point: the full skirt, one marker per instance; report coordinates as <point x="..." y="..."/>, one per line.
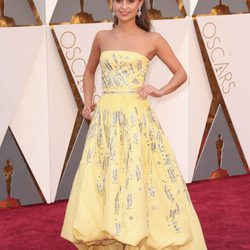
<point x="128" y="192"/>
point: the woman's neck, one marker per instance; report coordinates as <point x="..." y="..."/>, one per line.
<point x="127" y="27"/>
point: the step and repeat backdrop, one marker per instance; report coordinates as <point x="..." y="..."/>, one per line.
<point x="44" y="48"/>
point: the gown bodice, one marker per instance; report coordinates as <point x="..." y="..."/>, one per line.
<point x="123" y="70"/>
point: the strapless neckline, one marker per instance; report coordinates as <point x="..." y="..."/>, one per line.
<point x="126" y="51"/>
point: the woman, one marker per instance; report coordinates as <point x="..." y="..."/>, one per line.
<point x="128" y="192"/>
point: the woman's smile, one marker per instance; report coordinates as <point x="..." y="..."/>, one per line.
<point x="124" y="13"/>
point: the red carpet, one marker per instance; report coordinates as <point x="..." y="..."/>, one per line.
<point x="223" y="207"/>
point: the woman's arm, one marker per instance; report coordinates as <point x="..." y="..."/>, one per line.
<point x="89" y="73"/>
<point x="165" y="53"/>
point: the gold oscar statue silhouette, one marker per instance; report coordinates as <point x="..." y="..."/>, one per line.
<point x="220" y="9"/>
<point x="220" y="172"/>
<point x="4" y="20"/>
<point x="110" y="4"/>
<point x="248" y="4"/>
<point x="82" y="17"/>
<point x="153" y="13"/>
<point x="9" y="201"/>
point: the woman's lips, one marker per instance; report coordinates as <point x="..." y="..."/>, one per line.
<point x="124" y="13"/>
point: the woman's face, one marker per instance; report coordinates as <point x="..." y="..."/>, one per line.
<point x="126" y="9"/>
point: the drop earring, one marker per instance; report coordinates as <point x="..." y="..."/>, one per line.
<point x="113" y="13"/>
<point x="139" y="13"/>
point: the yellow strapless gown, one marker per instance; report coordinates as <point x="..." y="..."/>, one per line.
<point x="128" y="192"/>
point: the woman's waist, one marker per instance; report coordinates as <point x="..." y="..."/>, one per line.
<point x="125" y="103"/>
<point x="121" y="89"/>
<point x="117" y="97"/>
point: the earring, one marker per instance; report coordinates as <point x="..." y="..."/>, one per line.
<point x="139" y="13"/>
<point x="113" y="13"/>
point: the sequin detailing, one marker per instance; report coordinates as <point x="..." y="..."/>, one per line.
<point x="128" y="185"/>
<point x="118" y="91"/>
<point x="121" y="72"/>
<point x="132" y="121"/>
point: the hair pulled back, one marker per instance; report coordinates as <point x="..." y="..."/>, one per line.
<point x="142" y="22"/>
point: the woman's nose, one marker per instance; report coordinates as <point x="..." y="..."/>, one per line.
<point x="124" y="4"/>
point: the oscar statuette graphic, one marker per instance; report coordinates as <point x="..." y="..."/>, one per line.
<point x="8" y="171"/>
<point x="153" y="13"/>
<point x="110" y="4"/>
<point x="220" y="172"/>
<point x="220" y="9"/>
<point x="82" y="17"/>
<point x="248" y="4"/>
<point x="4" y="20"/>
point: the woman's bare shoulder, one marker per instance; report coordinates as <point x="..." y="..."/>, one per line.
<point x="155" y="36"/>
<point x="156" y="40"/>
<point x="100" y="37"/>
<point x="102" y="34"/>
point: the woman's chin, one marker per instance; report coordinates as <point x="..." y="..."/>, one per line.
<point x="125" y="18"/>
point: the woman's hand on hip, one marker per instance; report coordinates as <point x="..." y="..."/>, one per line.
<point x="148" y="90"/>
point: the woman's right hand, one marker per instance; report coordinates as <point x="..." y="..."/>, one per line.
<point x="87" y="111"/>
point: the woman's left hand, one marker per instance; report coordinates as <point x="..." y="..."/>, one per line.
<point x="146" y="89"/>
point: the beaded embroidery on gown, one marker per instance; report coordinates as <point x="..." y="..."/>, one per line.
<point x="128" y="192"/>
